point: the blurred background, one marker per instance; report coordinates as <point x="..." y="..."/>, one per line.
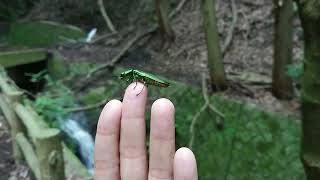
<point x="240" y="72"/>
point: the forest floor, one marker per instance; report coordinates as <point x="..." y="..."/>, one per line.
<point x="248" y="57"/>
<point x="8" y="168"/>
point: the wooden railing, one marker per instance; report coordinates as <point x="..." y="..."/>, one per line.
<point x="40" y="146"/>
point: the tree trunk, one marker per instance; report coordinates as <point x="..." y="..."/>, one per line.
<point x="283" y="39"/>
<point x="162" y="11"/>
<point x="310" y="152"/>
<point x="216" y="68"/>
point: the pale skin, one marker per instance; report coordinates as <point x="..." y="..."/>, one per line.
<point x="120" y="146"/>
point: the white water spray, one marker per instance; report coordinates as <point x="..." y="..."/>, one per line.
<point x="83" y="139"/>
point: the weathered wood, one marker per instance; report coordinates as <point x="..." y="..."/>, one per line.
<point x="29" y="154"/>
<point x="73" y="166"/>
<point x="8" y="87"/>
<point x="49" y="151"/>
<point x="15" y="125"/>
<point x="28" y="119"/>
<point x="14" y="58"/>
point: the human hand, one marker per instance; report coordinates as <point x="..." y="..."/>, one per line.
<point x="120" y="146"/>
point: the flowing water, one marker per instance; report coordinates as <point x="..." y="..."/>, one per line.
<point x="75" y="127"/>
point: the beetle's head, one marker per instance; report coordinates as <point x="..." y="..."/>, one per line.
<point x="122" y="75"/>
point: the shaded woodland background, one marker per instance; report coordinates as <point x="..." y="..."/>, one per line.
<point x="265" y="53"/>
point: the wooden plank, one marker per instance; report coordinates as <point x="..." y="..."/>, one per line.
<point x="8" y="87"/>
<point x="14" y="123"/>
<point x="28" y="119"/>
<point x="29" y="154"/>
<point x="15" y="58"/>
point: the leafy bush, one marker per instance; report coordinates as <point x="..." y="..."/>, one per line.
<point x="52" y="102"/>
<point x="295" y="71"/>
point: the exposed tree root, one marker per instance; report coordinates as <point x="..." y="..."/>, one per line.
<point x="204" y="107"/>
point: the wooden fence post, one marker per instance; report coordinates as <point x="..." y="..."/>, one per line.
<point x="49" y="151"/>
<point x="30" y="157"/>
<point x="10" y="95"/>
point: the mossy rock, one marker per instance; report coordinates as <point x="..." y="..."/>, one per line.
<point x="94" y="96"/>
<point x="42" y="33"/>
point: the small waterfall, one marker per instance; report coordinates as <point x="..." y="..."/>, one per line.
<point x="74" y="127"/>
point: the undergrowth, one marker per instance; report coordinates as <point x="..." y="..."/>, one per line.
<point x="252" y="145"/>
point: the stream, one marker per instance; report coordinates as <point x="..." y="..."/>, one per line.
<point x="76" y="128"/>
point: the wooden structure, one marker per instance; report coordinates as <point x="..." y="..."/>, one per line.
<point x="41" y="147"/>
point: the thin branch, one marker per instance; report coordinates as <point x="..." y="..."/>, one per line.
<point x="204" y="107"/>
<point x="117" y="57"/>
<point x="101" y="38"/>
<point x="86" y="108"/>
<point x="152" y="29"/>
<point x="177" y="9"/>
<point x="106" y="17"/>
<point x="229" y="37"/>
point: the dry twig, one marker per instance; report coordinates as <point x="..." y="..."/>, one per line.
<point x="86" y="108"/>
<point x="106" y="17"/>
<point x="229" y="37"/>
<point x="117" y="58"/>
<point x="205" y="106"/>
<point x="177" y="9"/>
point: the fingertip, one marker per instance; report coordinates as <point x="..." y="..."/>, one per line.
<point x="113" y="103"/>
<point x="110" y="116"/>
<point x="185" y="165"/>
<point x="136" y="89"/>
<point x="162" y="118"/>
<point x="112" y="106"/>
<point x="185" y="154"/>
<point x="163" y="104"/>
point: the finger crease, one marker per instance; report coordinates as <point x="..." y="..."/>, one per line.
<point x="160" y="173"/>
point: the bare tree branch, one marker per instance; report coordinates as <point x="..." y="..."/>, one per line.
<point x="117" y="58"/>
<point x="106" y="17"/>
<point x="229" y="37"/>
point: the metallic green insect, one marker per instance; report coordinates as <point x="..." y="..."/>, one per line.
<point x="146" y="78"/>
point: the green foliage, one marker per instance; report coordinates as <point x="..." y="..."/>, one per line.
<point x="35" y="78"/>
<point x="253" y="145"/>
<point x="52" y="102"/>
<point x="42" y="33"/>
<point x="295" y="71"/>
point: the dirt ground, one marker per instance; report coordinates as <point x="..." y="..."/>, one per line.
<point x="8" y="168"/>
<point x="248" y="58"/>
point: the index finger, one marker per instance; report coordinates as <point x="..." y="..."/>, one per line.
<point x="133" y="160"/>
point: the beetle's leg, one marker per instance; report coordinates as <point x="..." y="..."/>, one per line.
<point x="134" y="79"/>
<point x="136" y="84"/>
<point x="144" y="84"/>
